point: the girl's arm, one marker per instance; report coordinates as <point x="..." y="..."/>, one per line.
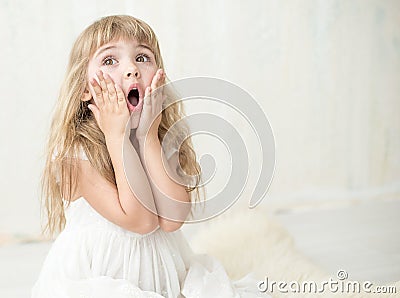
<point x="171" y="199"/>
<point x="119" y="203"/>
<point x="137" y="201"/>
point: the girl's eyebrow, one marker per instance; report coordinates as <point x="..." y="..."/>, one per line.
<point x="105" y="49"/>
<point x="114" y="47"/>
<point x="145" y="46"/>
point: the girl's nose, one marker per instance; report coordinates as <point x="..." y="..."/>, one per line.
<point x="130" y="74"/>
<point x="132" y="71"/>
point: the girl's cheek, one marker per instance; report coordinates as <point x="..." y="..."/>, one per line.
<point x="149" y="69"/>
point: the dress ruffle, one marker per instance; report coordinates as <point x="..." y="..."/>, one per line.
<point x="93" y="257"/>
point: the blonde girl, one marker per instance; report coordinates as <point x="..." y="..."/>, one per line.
<point x="105" y="185"/>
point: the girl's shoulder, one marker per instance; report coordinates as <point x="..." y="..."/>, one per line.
<point x="80" y="155"/>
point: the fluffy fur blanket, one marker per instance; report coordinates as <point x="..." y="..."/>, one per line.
<point x="247" y="240"/>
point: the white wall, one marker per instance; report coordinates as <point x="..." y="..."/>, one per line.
<point x="327" y="74"/>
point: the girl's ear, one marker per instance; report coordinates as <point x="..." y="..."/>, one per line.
<point x="86" y="96"/>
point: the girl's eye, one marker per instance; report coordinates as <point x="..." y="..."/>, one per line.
<point x="143" y="58"/>
<point x="109" y="61"/>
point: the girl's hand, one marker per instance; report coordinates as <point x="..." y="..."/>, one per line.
<point x="150" y="117"/>
<point x="110" y="111"/>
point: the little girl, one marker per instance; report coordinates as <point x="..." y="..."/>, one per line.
<point x="105" y="195"/>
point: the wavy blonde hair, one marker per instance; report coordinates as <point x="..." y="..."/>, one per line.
<point x="73" y="126"/>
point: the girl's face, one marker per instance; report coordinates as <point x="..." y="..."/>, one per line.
<point x="131" y="65"/>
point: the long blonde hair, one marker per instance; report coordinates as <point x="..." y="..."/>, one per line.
<point x="73" y="126"/>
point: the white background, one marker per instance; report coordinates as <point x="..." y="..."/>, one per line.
<point x="326" y="73"/>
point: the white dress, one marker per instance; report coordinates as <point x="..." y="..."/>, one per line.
<point x="94" y="258"/>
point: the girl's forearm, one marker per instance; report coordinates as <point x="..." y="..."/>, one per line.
<point x="132" y="200"/>
<point x="171" y="199"/>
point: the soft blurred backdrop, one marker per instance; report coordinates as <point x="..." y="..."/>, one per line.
<point x="326" y="73"/>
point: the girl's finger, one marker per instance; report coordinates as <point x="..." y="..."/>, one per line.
<point x="98" y="94"/>
<point x="147" y="96"/>
<point x="157" y="87"/>
<point x="157" y="77"/>
<point x="161" y="81"/>
<point x="164" y="98"/>
<point x="112" y="94"/>
<point x="154" y="80"/>
<point x="103" y="86"/>
<point x="120" y="95"/>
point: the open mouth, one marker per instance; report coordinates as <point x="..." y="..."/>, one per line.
<point x="133" y="97"/>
